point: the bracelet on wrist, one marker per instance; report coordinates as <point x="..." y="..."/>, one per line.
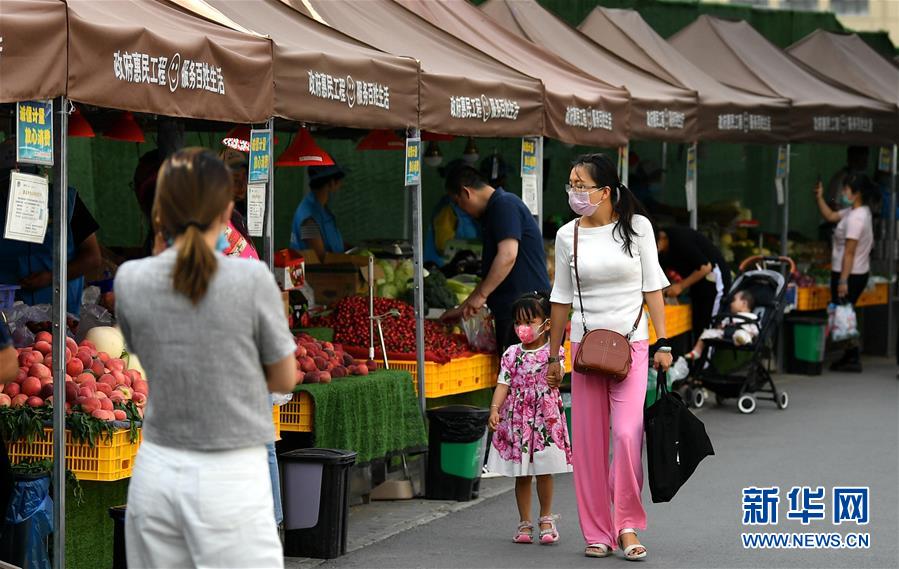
<point x="662" y="343"/>
<point x="664" y="350"/>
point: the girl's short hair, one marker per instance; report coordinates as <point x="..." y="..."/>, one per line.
<point x="532" y="305"/>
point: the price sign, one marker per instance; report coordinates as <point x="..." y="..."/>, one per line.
<point x="413" y="161"/>
<point x="529" y="156"/>
<point x="260" y="156"/>
<point x="34" y="128"/>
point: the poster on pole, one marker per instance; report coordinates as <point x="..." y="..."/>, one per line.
<point x="34" y="131"/>
<point x="529" y="156"/>
<point x="780" y="174"/>
<point x="529" y="193"/>
<point x="255" y="209"/>
<point x="690" y="185"/>
<point x="27" y="208"/>
<point x="885" y="159"/>
<point x="260" y="161"/>
<point x="413" y="161"/>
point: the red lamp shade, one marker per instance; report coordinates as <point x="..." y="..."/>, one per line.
<point x="78" y="125"/>
<point x="303" y="151"/>
<point x="238" y="138"/>
<point x="125" y="129"/>
<point x="381" y="140"/>
<point x="435" y="137"/>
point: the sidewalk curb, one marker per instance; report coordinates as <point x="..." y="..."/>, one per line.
<point x="443" y="510"/>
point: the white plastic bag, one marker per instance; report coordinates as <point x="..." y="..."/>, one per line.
<point x="680" y="370"/>
<point x="480" y="331"/>
<point x="842" y="323"/>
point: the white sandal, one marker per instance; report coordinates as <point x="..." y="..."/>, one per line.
<point x="630" y="548"/>
<point x="604" y="550"/>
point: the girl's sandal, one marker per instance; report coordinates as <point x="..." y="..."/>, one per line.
<point x="597" y="550"/>
<point x="550" y="535"/>
<point x="629" y="550"/>
<point x="525" y="533"/>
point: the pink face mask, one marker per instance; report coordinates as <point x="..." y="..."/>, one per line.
<point x="528" y="333"/>
<point x="580" y="203"/>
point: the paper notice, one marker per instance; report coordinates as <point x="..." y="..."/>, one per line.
<point x="255" y="209"/>
<point x="529" y="193"/>
<point x="779" y="184"/>
<point x="27" y="211"/>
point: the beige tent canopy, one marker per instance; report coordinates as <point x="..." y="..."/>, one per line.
<point x="659" y="110"/>
<point x="463" y="91"/>
<point x="578" y="108"/>
<point x="736" y="54"/>
<point x="725" y="114"/>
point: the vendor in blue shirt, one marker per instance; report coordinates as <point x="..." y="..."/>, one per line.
<point x="314" y="225"/>
<point x="30" y="265"/>
<point x="514" y="260"/>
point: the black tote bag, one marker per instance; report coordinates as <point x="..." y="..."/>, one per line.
<point x="676" y="442"/>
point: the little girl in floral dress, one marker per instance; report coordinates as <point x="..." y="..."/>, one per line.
<point x="530" y="432"/>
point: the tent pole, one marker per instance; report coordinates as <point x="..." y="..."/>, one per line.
<point x="785" y="225"/>
<point x="418" y="281"/>
<point x="59" y="206"/>
<point x="268" y="238"/>
<point x="624" y="153"/>
<point x="540" y="184"/>
<point x="891" y="251"/>
<point x="694" y="214"/>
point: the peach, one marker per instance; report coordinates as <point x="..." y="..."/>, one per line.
<point x="74" y="367"/>
<point x="89" y="405"/>
<point x="126" y="391"/>
<point x="104" y="388"/>
<point x="86" y="393"/>
<point x="43" y="347"/>
<point x="97" y="368"/>
<point x="71" y="345"/>
<point x="31" y="386"/>
<point x="116" y="364"/>
<point x="39" y="371"/>
<point x="117" y="397"/>
<point x="71" y="391"/>
<point x="5" y="400"/>
<point x="12" y="389"/>
<point x="120" y="415"/>
<point x="308" y="365"/>
<point x="103" y="415"/>
<point x="100" y="395"/>
<point x="141" y="386"/>
<point x="35" y="402"/>
<point x="106" y="404"/>
<point x="104" y="357"/>
<point x="19" y="400"/>
<point x="139" y="399"/>
<point x="44" y="337"/>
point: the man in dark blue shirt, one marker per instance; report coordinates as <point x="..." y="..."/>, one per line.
<point x="514" y="261"/>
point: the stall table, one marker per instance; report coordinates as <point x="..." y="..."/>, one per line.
<point x="815" y="298"/>
<point x="373" y="415"/>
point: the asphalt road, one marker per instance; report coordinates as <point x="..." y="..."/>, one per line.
<point x="838" y="430"/>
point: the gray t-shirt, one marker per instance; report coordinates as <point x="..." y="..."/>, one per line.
<point x="204" y="363"/>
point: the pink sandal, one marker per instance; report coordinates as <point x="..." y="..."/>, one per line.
<point x="551" y="535"/>
<point x="525" y="533"/>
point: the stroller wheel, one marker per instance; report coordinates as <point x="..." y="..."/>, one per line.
<point x="783" y="400"/>
<point x="746" y="404"/>
<point x="697" y="398"/>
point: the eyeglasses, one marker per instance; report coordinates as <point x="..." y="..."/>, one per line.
<point x="581" y="189"/>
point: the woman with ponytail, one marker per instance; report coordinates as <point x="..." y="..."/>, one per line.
<point x="853" y="240"/>
<point x="211" y="333"/>
<point x="617" y="272"/>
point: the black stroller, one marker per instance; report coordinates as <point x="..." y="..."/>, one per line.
<point x="731" y="371"/>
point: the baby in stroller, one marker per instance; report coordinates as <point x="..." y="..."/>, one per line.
<point x="741" y="327"/>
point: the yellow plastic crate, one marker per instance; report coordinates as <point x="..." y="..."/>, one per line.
<point x="298" y="415"/>
<point x="810" y="298"/>
<point x="110" y="460"/>
<point x="876" y="296"/>
<point x="460" y="375"/>
<point x="276" y="419"/>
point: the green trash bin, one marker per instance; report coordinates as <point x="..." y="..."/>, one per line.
<point x="805" y="350"/>
<point x="457" y="440"/>
<point x="651" y="387"/>
<point x="566" y="404"/>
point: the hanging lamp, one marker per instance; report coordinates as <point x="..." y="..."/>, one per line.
<point x="78" y="125"/>
<point x="125" y="129"/>
<point x="381" y="139"/>
<point x="303" y="151"/>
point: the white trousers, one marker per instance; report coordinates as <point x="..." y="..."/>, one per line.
<point x="201" y="509"/>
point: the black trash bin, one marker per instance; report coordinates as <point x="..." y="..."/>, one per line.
<point x="28" y="522"/>
<point x="314" y="492"/>
<point x="119" y="560"/>
<point x="457" y="436"/>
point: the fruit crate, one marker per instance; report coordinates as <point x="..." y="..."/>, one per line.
<point x="108" y="461"/>
<point x="276" y="419"/>
<point x="297" y="415"/>
<point x="876" y="296"/>
<point x="460" y="375"/>
<point x="811" y="298"/>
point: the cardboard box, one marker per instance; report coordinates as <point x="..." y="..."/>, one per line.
<point x="289" y="269"/>
<point x="337" y="276"/>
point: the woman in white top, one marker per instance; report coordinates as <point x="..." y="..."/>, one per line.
<point x="853" y="239"/>
<point x="619" y="271"/>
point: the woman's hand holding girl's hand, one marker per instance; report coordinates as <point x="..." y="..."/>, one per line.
<point x="493" y="421"/>
<point x="554" y="375"/>
<point x="662" y="360"/>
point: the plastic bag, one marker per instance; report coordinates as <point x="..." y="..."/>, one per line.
<point x="30" y="502"/>
<point x="280" y="399"/>
<point x="480" y="331"/>
<point x="680" y="370"/>
<point x="842" y="323"/>
<point x="92" y="316"/>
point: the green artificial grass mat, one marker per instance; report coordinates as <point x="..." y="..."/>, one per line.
<point x="88" y="525"/>
<point x="373" y="415"/>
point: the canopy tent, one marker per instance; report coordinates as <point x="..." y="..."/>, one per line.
<point x="579" y="109"/>
<point x="321" y="75"/>
<point x="462" y="91"/>
<point x="725" y="114"/>
<point x="148" y="56"/>
<point x="846" y="59"/>
<point x="736" y="54"/>
<point x="32" y="69"/>
<point x="659" y="110"/>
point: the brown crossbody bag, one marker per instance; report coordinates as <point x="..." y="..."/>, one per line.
<point x="602" y="351"/>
